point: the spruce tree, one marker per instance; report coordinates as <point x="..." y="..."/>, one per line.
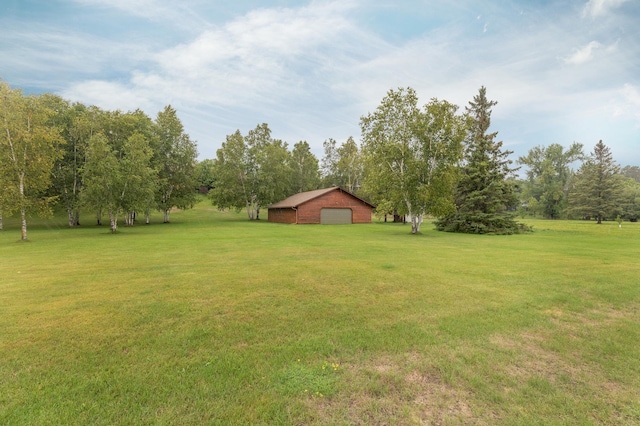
<point x="597" y="191"/>
<point x="484" y="192"/>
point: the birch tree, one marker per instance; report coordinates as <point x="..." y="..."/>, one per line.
<point x="304" y="168"/>
<point x="232" y="188"/>
<point x="174" y="158"/>
<point x="118" y="182"/>
<point x="342" y="165"/>
<point x="29" y="147"/>
<point x="411" y="154"/>
<point x="80" y="124"/>
<point x="251" y="171"/>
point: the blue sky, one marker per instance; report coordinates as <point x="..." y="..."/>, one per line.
<point x="561" y="71"/>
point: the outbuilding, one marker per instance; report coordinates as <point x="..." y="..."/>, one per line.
<point x="329" y="206"/>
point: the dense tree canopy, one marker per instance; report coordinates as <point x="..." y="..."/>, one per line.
<point x="548" y="177"/>
<point x="79" y="156"/>
<point x="29" y="146"/>
<point x="252" y="171"/>
<point x="174" y="158"/>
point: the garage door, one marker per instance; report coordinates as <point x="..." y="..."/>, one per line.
<point x="335" y="216"/>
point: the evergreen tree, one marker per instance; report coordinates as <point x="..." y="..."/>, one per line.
<point x="597" y="191"/>
<point x="484" y="193"/>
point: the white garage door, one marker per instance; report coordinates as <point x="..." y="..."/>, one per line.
<point x="335" y="216"/>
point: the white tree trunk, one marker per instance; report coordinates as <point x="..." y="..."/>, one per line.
<point x="416" y="218"/>
<point x="113" y="220"/>
<point x="416" y="222"/>
<point x="23" y="213"/>
<point x="23" y="224"/>
<point x="148" y="216"/>
<point x="166" y="216"/>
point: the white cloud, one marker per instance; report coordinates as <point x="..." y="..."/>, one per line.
<point x="265" y="55"/>
<point x="108" y="95"/>
<point x="584" y="54"/>
<point x="176" y="13"/>
<point x="311" y="71"/>
<point x="598" y="8"/>
<point x="630" y="105"/>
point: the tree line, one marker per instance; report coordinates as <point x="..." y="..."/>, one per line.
<point x="432" y="160"/>
<point x="54" y="152"/>
<point x="413" y="161"/>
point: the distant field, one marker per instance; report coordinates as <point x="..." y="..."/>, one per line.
<point x="215" y="320"/>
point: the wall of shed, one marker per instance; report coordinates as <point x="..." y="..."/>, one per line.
<point x="282" y="215"/>
<point x="309" y="212"/>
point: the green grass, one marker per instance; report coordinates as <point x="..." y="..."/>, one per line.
<point x="215" y="320"/>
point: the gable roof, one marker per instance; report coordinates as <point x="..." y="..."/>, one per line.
<point x="303" y="197"/>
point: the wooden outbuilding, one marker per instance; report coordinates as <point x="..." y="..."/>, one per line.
<point x="329" y="206"/>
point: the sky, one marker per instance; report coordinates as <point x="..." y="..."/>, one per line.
<point x="561" y="71"/>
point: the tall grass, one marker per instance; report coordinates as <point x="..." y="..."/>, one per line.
<point x="216" y="320"/>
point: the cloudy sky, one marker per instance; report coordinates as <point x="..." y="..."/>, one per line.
<point x="560" y="70"/>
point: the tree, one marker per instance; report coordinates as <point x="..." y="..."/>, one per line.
<point x="598" y="186"/>
<point x="548" y="177"/>
<point x="174" y="157"/>
<point x="484" y="193"/>
<point x="118" y="181"/>
<point x="232" y="187"/>
<point x="274" y="173"/>
<point x="304" y="168"/>
<point x="411" y="155"/>
<point x="630" y="199"/>
<point x="342" y="165"/>
<point x="251" y="171"/>
<point x="632" y="172"/>
<point x="80" y="123"/>
<point x="118" y="128"/>
<point x="29" y="147"/>
<point x="204" y="174"/>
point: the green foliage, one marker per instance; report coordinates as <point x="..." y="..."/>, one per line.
<point x="78" y="124"/>
<point x="342" y="165"/>
<point x="632" y="172"/>
<point x="412" y="154"/>
<point x="548" y="178"/>
<point x="204" y="174"/>
<point x="252" y="171"/>
<point x="29" y="148"/>
<point x="598" y="186"/>
<point x="118" y="182"/>
<point x="174" y="158"/>
<point x="484" y="193"/>
<point x="630" y="201"/>
<point x="304" y="168"/>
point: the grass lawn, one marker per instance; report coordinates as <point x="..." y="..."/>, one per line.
<point x="215" y="320"/>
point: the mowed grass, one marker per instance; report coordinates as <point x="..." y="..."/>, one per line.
<point x="216" y="320"/>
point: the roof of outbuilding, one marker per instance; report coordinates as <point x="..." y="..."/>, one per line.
<point x="303" y="197"/>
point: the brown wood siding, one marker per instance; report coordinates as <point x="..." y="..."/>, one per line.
<point x="282" y="215"/>
<point x="309" y="212"/>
